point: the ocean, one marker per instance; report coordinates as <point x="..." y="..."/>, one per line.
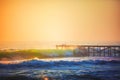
<point x="69" y="68"/>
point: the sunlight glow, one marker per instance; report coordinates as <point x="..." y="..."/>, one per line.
<point x="27" y="23"/>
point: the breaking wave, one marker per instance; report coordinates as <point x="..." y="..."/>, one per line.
<point x="36" y="63"/>
<point x="61" y="69"/>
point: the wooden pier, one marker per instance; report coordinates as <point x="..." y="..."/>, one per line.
<point x="93" y="50"/>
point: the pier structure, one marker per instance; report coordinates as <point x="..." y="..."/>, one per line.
<point x="94" y="50"/>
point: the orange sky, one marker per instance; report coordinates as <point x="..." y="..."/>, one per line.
<point x="34" y="23"/>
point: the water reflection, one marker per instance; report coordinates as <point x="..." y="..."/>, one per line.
<point x="47" y="78"/>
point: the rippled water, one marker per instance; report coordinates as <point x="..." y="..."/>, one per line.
<point x="74" y="68"/>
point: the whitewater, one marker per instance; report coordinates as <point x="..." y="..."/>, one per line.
<point x="71" y="68"/>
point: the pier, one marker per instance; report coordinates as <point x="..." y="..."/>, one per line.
<point x="93" y="50"/>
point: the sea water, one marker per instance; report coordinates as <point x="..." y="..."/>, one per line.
<point x="71" y="68"/>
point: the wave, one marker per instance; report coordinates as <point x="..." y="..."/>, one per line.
<point x="48" y="64"/>
<point x="61" y="69"/>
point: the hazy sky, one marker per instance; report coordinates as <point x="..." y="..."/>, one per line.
<point x="28" y="23"/>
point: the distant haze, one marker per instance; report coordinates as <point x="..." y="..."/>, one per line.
<point x="45" y="23"/>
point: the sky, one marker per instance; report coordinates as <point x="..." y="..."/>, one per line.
<point x="45" y="23"/>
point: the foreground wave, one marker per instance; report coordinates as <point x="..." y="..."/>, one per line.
<point x="48" y="64"/>
<point x="62" y="69"/>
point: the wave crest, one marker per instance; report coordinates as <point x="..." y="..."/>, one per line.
<point x="48" y="64"/>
